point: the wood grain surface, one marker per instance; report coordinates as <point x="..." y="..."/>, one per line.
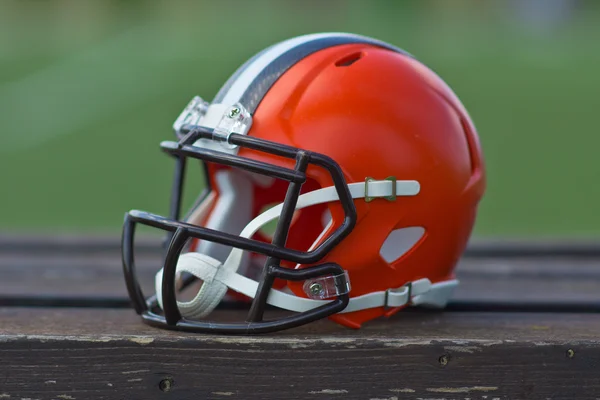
<point x="84" y="271"/>
<point x="108" y="354"/>
<point x="77" y="339"/>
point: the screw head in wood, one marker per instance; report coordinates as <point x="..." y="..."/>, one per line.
<point x="165" y="385"/>
<point x="443" y="360"/>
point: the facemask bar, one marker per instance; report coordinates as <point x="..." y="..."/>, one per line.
<point x="177" y="194"/>
<point x="181" y="232"/>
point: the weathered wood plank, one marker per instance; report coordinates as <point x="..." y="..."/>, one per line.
<point x="108" y="354"/>
<point x="555" y="280"/>
<point x="86" y="271"/>
<point x="423" y="324"/>
<point x="478" y="247"/>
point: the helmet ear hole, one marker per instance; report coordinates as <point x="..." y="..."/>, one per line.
<point x="326" y="218"/>
<point x="400" y="242"/>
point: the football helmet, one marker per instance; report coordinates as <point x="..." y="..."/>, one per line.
<point x="364" y="160"/>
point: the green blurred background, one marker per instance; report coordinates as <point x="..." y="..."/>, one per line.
<point x="89" y="88"/>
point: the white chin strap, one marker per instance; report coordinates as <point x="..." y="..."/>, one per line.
<point x="217" y="276"/>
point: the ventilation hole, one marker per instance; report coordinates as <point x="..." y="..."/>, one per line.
<point x="349" y="59"/>
<point x="472" y="146"/>
<point x="399" y="242"/>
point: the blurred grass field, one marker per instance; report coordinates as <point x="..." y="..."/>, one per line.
<point x="89" y="89"/>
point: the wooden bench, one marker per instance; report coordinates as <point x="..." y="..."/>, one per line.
<point x="523" y="325"/>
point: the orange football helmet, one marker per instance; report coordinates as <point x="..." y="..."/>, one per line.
<point x="365" y="157"/>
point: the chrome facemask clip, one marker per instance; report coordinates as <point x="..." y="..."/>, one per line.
<point x="235" y="119"/>
<point x="327" y="286"/>
<point x="191" y="114"/>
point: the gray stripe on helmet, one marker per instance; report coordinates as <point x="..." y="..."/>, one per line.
<point x="252" y="81"/>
